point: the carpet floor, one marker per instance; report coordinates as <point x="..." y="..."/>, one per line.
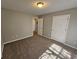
<point x="38" y="47"/>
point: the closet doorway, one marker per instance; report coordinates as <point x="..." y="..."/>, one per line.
<point x="59" y="27"/>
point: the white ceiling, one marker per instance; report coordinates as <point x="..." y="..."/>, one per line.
<point x="26" y="6"/>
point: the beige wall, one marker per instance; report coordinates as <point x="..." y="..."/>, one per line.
<point x="15" y="25"/>
<point x="71" y="38"/>
<point x="47" y="25"/>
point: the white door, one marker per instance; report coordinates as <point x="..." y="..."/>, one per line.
<point x="59" y="27"/>
<point x="33" y="29"/>
<point x="40" y="26"/>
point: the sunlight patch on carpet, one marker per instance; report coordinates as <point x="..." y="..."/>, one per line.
<point x="55" y="52"/>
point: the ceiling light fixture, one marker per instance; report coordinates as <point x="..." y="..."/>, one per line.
<point x="39" y="4"/>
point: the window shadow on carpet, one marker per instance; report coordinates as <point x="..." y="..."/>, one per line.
<point x="55" y="52"/>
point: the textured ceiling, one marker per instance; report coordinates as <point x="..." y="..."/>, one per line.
<point x="26" y="6"/>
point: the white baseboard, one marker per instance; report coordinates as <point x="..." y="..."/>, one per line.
<point x="18" y="39"/>
<point x="46" y="36"/>
<point x="66" y="44"/>
<point x="70" y="46"/>
<point x="60" y="42"/>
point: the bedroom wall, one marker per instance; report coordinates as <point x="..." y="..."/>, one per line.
<point x="71" y="38"/>
<point x="15" y="25"/>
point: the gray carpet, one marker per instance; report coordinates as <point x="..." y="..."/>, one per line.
<point x="34" y="47"/>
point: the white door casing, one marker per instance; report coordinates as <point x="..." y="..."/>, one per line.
<point x="33" y="29"/>
<point x="59" y="27"/>
<point x="40" y="26"/>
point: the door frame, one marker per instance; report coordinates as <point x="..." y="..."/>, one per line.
<point x="66" y="26"/>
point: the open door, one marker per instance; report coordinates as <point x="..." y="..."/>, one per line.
<point x="40" y="26"/>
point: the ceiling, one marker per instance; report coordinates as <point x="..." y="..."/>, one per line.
<point x="26" y="6"/>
